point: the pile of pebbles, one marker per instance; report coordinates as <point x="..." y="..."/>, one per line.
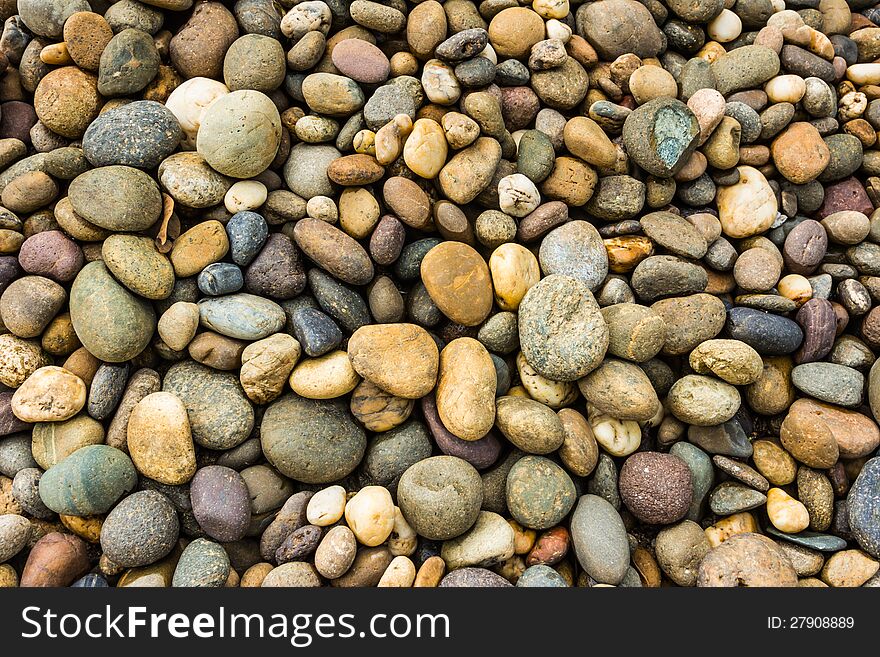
<point x="439" y="294"/>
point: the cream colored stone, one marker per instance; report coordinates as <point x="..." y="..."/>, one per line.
<point x="370" y="515"/>
<point x="786" y="513"/>
<point x="50" y="394"/>
<point x="439" y="83"/>
<point x="425" y="149"/>
<point x="725" y="27"/>
<point x="517" y="195"/>
<point x="785" y="89"/>
<point x="400" y="573"/>
<point x="749" y="207"/>
<point x="322" y="208"/>
<point x="245" y="195"/>
<point x="403" y="539"/>
<point x="555" y="394"/>
<point x="326" y="506"/>
<point x="188" y="103"/>
<point x="514" y="270"/>
<point x="617" y="437"/>
<point x="160" y="441"/>
<point x="326" y="377"/>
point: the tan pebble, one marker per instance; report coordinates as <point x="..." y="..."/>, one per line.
<point x="253" y="577"/>
<point x="159" y="439"/>
<point x="738" y="523"/>
<point x="401" y="573"/>
<point x="266" y="364"/>
<point x="786" y="513"/>
<point x="430" y="573"/>
<point x="326" y="377"/>
<point x="50" y="394"/>
<point x="370" y="515"/>
<point x="849" y="568"/>
<point x="336" y="552"/>
<point x="425" y="149"/>
<point x="178" y="325"/>
<point x="523" y="538"/>
<point x="617" y="437"/>
<point x="403" y="539"/>
<point x="466" y="389"/>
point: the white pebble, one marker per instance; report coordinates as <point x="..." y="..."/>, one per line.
<point x="188" y="103"/>
<point x="323" y="208"/>
<point x="245" y="195"/>
<point x="617" y="437"/>
<point x="517" y="195"/>
<point x="558" y="30"/>
<point x="326" y="506"/>
<point x="725" y="27"/>
<point x="786" y="89"/>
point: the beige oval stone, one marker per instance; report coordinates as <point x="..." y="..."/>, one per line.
<point x="585" y="139"/>
<point x="358" y="211"/>
<point x="849" y="568"/>
<point x="466" y="389"/>
<point x="786" y="513"/>
<point x="326" y="377"/>
<point x="326" y="506"/>
<point x="514" y="270"/>
<point x="402" y="359"/>
<point x="370" y="515"/>
<point x="620" y="389"/>
<point x="425" y="149"/>
<point x="159" y="439"/>
<point x="266" y="364"/>
<point x="50" y="394"/>
<point x="401" y="573"/>
<point x="178" y="325"/>
<point x="749" y="207"/>
<point x="730" y="360"/>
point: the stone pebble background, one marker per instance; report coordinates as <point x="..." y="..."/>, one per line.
<point x="459" y="294"/>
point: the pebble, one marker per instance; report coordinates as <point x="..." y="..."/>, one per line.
<point x="440" y="497"/>
<point x="313" y="441"/>
<point x="88" y="482"/>
<point x="203" y="564"/>
<point x="539" y="492"/>
<point x="599" y="539"/>
<point x="140" y="530"/>
<point x="49" y="394"/>
<point x="746" y="560"/>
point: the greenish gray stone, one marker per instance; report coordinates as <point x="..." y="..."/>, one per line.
<point x="116" y="198"/>
<point x="702" y="475"/>
<point x="731" y="497"/>
<point x="535" y="156"/>
<point x="88" y="482"/>
<point x="111" y="322"/>
<point x="440" y="497"/>
<point x="600" y="540"/>
<point x="242" y="316"/>
<point x="744" y="68"/>
<point x="390" y="453"/>
<point x="829" y="382"/>
<point x="541" y="576"/>
<point x="220" y="415"/>
<point x="140" y="530"/>
<point x="203" y="564"/>
<point x="128" y="63"/>
<point x="312" y="441"/>
<point x="661" y="135"/>
<point x="561" y="330"/>
<point x="539" y="492"/>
